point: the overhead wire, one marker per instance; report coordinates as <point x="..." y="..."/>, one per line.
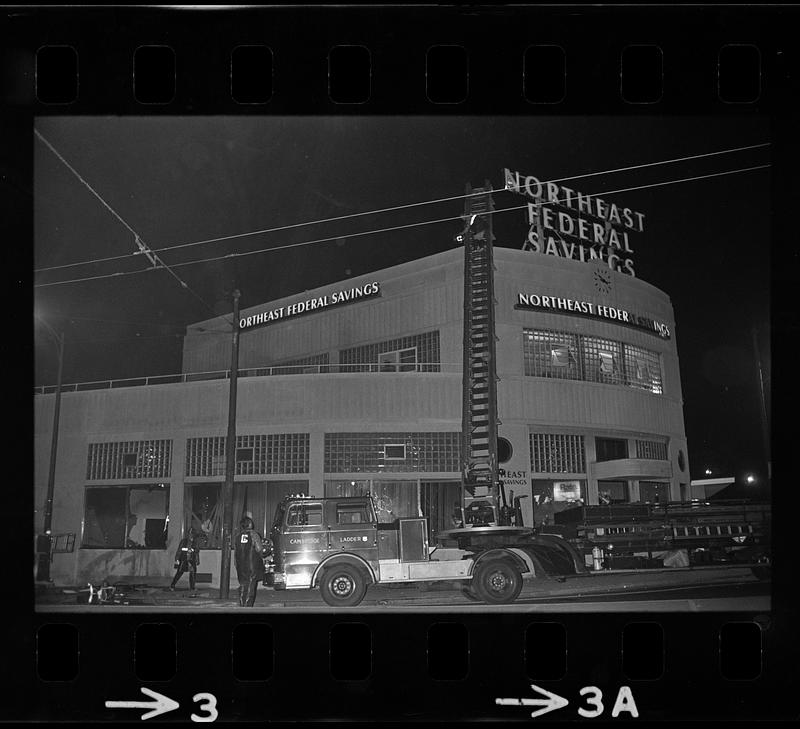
<point x="143" y="248"/>
<point x="399" y="227"/>
<point x="278" y="229"/>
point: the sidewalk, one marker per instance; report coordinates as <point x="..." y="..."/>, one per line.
<point x="594" y="583"/>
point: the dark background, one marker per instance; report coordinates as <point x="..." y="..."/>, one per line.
<point x="177" y="179"/>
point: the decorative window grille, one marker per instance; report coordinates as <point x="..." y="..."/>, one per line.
<point x="643" y="369"/>
<point x="557" y="453"/>
<point x="129" y="459"/>
<point x="379" y="452"/>
<point x="563" y="355"/>
<point x="418" y="352"/>
<point x="255" y="454"/>
<point x="550" y="354"/>
<point x="603" y="360"/>
<point x="653" y="450"/>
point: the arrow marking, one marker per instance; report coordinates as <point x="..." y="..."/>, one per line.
<point x="161" y="705"/>
<point x="550" y="703"/>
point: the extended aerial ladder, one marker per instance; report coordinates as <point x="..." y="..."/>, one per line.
<point x="481" y="492"/>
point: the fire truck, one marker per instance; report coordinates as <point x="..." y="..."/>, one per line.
<point x="339" y="546"/>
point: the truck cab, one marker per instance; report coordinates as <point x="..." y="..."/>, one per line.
<point x="306" y="532"/>
<point x="339" y="546"/>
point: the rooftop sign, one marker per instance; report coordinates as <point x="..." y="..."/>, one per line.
<point x="307" y="306"/>
<point x="573" y="225"/>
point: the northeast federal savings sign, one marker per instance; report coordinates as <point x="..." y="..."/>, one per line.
<point x="576" y="307"/>
<point x="566" y="223"/>
<point x="317" y="303"/>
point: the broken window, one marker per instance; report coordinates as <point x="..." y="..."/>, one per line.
<point x="126" y="517"/>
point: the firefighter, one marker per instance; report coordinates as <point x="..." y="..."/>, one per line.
<point x="186" y="560"/>
<point x="249" y="551"/>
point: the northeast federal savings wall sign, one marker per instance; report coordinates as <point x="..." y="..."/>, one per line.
<point x="576" y="307"/>
<point x="569" y="224"/>
<point x="306" y="306"/>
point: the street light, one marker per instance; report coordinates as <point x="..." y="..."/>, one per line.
<point x="750" y="478"/>
<point x="708" y="472"/>
<point x="43" y="567"/>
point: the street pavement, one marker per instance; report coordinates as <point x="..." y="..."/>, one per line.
<point x="682" y="589"/>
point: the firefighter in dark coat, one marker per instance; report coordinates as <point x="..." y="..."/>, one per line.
<point x="186" y="560"/>
<point x="249" y="551"/>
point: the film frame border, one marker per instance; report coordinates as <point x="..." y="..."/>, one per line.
<point x="592" y="77"/>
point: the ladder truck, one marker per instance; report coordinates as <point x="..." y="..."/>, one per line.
<point x="338" y="546"/>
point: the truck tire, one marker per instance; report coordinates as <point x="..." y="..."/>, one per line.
<point x="343" y="585"/>
<point x="497" y="582"/>
<point x="469" y="593"/>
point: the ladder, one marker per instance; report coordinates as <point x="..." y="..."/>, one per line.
<point x="480" y="488"/>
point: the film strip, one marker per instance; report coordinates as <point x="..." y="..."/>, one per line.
<point x="433" y="656"/>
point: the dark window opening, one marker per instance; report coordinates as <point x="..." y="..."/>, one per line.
<point x="610" y="449"/>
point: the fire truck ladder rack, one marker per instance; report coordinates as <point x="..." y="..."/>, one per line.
<point x="480" y="492"/>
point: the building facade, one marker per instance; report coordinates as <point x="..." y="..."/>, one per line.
<point x="356" y="387"/>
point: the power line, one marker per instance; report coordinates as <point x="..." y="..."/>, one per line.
<point x="143" y="248"/>
<point x="137" y="322"/>
<point x="401" y="207"/>
<point x="401" y="227"/>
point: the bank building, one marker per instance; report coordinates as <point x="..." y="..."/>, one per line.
<point x="356" y="387"/>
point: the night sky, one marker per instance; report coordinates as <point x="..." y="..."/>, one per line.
<point x="180" y="180"/>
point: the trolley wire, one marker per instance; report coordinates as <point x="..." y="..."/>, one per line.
<point x="143" y="248"/>
<point x="292" y="226"/>
<point x="230" y="256"/>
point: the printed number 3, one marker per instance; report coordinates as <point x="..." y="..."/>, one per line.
<point x="209" y="706"/>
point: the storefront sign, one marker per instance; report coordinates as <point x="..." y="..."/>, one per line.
<point x="515" y="478"/>
<point x="576" y="307"/>
<point x="337" y="298"/>
<point x="566" y="490"/>
<point x="573" y="225"/>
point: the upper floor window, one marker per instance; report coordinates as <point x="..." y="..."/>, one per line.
<point x="654" y="450"/>
<point x="414" y="353"/>
<point x="551" y="354"/>
<point x="557" y="453"/>
<point x="401" y="360"/>
<point x="255" y="454"/>
<point x="610" y="449"/>
<point x="568" y="356"/>
<point x="130" y="459"/>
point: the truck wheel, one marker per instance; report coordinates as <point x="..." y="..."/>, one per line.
<point x="343" y="585"/>
<point x="497" y="582"/>
<point x="468" y="592"/>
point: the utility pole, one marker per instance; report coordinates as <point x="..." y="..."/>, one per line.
<point x="43" y="567"/>
<point x="763" y="402"/>
<point x="230" y="459"/>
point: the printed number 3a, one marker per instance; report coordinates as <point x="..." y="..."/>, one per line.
<point x="209" y="706"/>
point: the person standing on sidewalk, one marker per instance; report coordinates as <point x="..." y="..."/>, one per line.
<point x="248" y="551"/>
<point x="186" y="560"/>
